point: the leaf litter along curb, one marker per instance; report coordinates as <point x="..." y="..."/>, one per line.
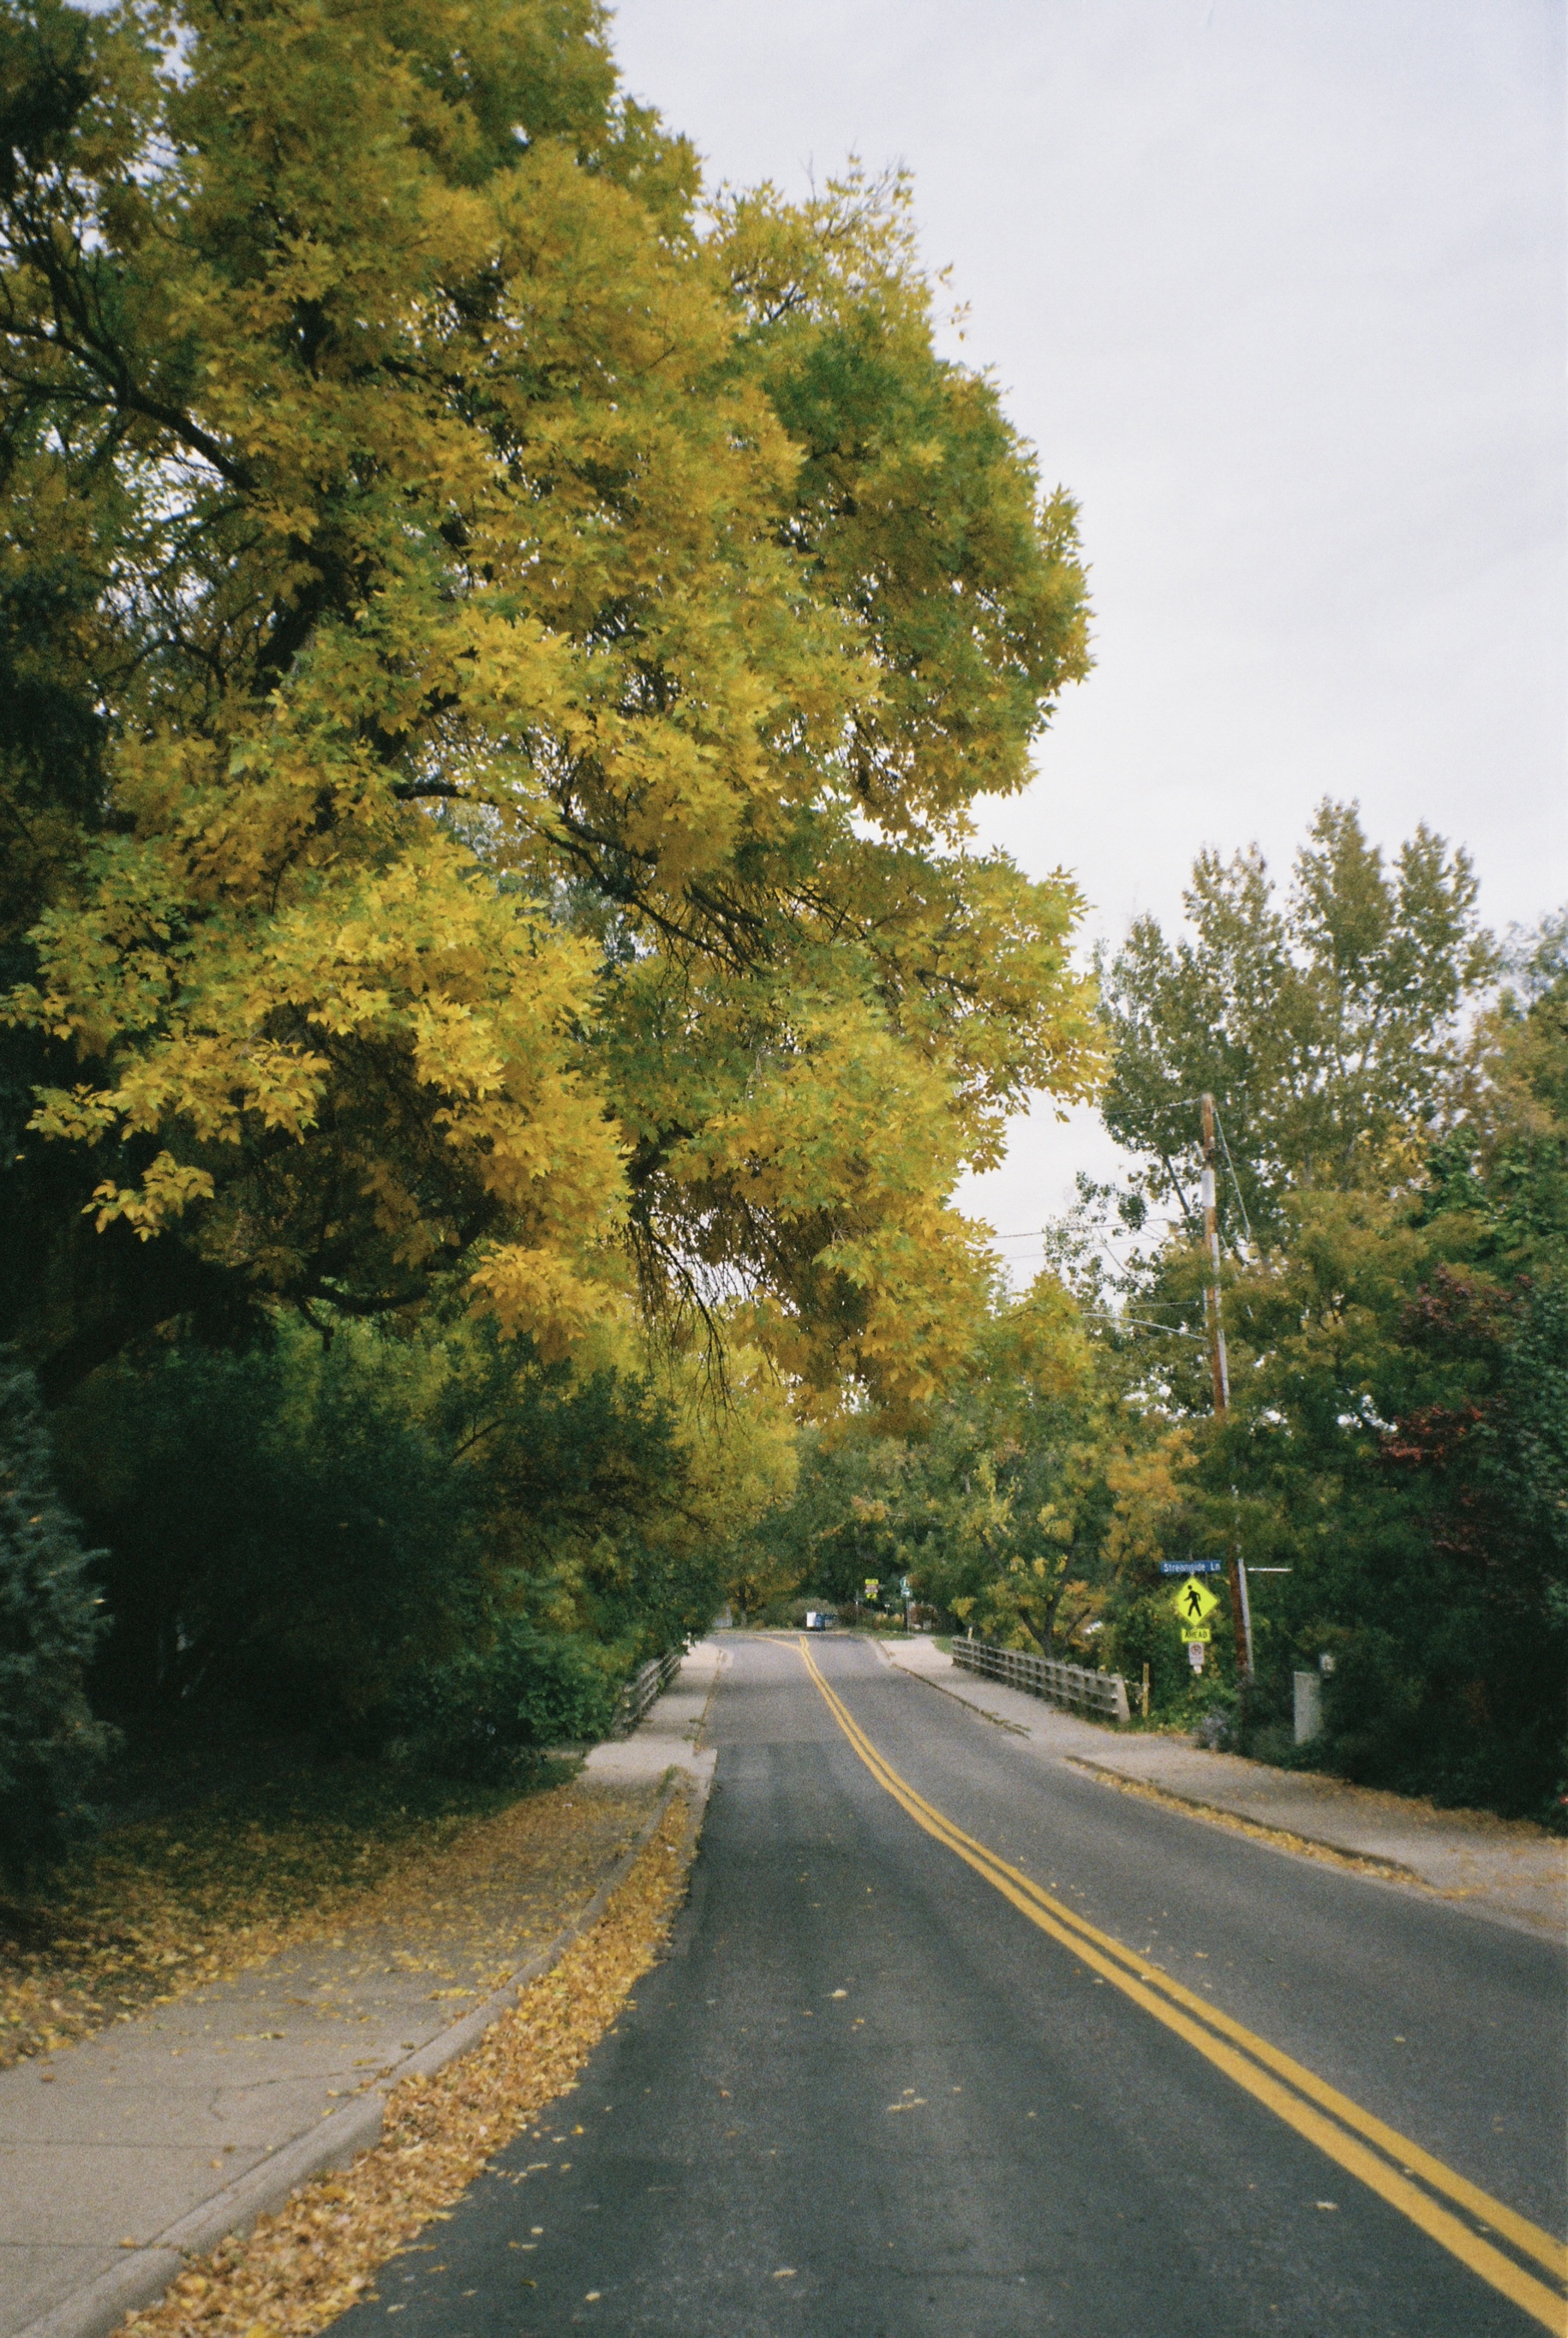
<point x="157" y="1907"/>
<point x="301" y="2268"/>
<point x="1392" y="1870"/>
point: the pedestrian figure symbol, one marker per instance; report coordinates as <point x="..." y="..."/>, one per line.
<point x="1193" y="1602"/>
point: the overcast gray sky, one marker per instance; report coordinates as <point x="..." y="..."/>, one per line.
<point x="1277" y="288"/>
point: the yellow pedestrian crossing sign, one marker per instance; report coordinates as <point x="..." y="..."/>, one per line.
<point x="1194" y="1603"/>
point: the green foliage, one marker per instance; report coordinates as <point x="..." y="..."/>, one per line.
<point x="987" y="1510"/>
<point x="1378" y="1415"/>
<point x="1327" y="1026"/>
<point x="1142" y="1629"/>
<point x="283" y="1533"/>
<point x="836" y="1531"/>
<point x="590" y="1500"/>
<point x="51" y="1747"/>
<point x="323" y="1537"/>
<point x="1396" y="1436"/>
<point x="483" y="1714"/>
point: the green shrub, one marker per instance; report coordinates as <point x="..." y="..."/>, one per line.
<point x="310" y="1536"/>
<point x="485" y="1714"/>
<point x="286" y="1535"/>
<point x="1143" y="1630"/>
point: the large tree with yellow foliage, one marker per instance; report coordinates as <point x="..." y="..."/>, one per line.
<point x="512" y="652"/>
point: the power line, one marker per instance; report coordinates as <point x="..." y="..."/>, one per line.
<point x="1038" y="1234"/>
<point x="1144" y="1324"/>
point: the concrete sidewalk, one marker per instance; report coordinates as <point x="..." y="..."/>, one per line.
<point x="1509" y="1871"/>
<point x="671" y="1735"/>
<point x="125" y="2153"/>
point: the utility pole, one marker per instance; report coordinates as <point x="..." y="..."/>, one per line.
<point x="1217" y="1356"/>
<point x="1240" y="1615"/>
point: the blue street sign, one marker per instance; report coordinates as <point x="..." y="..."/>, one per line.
<point x="1191" y="1567"/>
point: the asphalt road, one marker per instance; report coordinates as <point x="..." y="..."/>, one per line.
<point x="869" y="2096"/>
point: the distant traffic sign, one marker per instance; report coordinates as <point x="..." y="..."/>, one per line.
<point x="1196" y="1635"/>
<point x="1195" y="1601"/>
<point x="1191" y="1567"/>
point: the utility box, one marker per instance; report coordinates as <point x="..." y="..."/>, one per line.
<point x="1309" y="1706"/>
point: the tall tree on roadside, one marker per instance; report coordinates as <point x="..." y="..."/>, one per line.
<point x="535" y="651"/>
<point x="1396" y="1437"/>
<point x="1326" y="1025"/>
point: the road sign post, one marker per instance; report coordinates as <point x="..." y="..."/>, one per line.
<point x="1194" y="1603"/>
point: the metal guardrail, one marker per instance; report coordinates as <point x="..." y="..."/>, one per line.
<point x="1104" y="1694"/>
<point x="649" y="1681"/>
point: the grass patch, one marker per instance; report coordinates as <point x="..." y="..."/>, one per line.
<point x="194" y="1890"/>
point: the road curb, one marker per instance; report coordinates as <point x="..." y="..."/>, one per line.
<point x="1282" y="1838"/>
<point x="100" y="2306"/>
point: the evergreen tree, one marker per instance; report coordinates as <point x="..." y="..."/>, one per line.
<point x="49" y="1744"/>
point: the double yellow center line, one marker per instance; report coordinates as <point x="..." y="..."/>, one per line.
<point x="1387" y="2163"/>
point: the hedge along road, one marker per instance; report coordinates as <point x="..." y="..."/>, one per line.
<point x="951" y="2041"/>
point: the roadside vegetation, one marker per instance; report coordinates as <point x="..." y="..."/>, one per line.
<point x="497" y="645"/>
<point x="1393" y="1209"/>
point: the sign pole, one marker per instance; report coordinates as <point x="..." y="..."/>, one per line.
<point x="1220" y="1370"/>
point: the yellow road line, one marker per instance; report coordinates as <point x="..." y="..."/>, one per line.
<point x="1543" y="2247"/>
<point x="1239" y="2054"/>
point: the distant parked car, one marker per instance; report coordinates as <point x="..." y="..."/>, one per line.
<point x="821" y="1619"/>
